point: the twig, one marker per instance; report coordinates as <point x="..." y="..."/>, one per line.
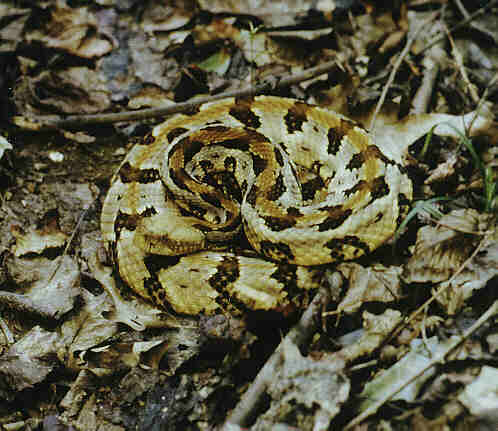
<point x="7" y="333"/>
<point x="482" y="100"/>
<point x="463" y="72"/>
<point x="76" y="121"/>
<point x="299" y="335"/>
<point x="423" y="95"/>
<point x="463" y="23"/>
<point x="396" y="66"/>
<point x="66" y="249"/>
<point x="440" y="358"/>
<point x="426" y="304"/>
<point x="473" y="25"/>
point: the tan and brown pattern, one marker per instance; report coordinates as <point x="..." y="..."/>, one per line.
<point x="302" y="185"/>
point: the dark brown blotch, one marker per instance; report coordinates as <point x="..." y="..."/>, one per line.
<point x="277" y="189"/>
<point x="154" y="263"/>
<point x="174" y="133"/>
<point x="126" y="221"/>
<point x="286" y="274"/>
<point x="374" y="152"/>
<point x="190" y="149"/>
<point x="294" y="212"/>
<point x="278" y="156"/>
<point x="197" y="210"/>
<point x="178" y="177"/>
<point x="356" y="161"/>
<point x="334" y="141"/>
<point x="242" y="143"/>
<point x="309" y="188"/>
<point x="230" y="164"/>
<point x="212" y="199"/>
<point x="252" y="195"/>
<point x="359" y="186"/>
<point x="279" y="223"/>
<point x="129" y="173"/>
<point x="276" y="251"/>
<point x="216" y="128"/>
<point x="295" y="117"/>
<point x="336" y="134"/>
<point x="226" y="272"/>
<point x="148" y="139"/>
<point x="379" y="188"/>
<point x="336" y="246"/>
<point x="336" y="216"/>
<point x="242" y="111"/>
<point x="259" y="164"/>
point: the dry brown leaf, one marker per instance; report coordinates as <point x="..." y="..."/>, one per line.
<point x="28" y="361"/>
<point x="395" y="136"/>
<point x="88" y="328"/>
<point x="50" y="287"/>
<point x="368" y="284"/>
<point x="38" y="240"/>
<point x="443" y="170"/>
<point x="440" y="252"/>
<point x="11" y="33"/>
<point x="77" y="90"/>
<point x="302" y="383"/>
<point x="377" y="328"/>
<point x="73" y="30"/>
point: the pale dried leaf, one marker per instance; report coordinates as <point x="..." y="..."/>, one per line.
<point x="28" y="361"/>
<point x="77" y="90"/>
<point x="11" y="32"/>
<point x="443" y="170"/>
<point x="420" y="356"/>
<point x="368" y="284"/>
<point x="50" y="285"/>
<point x="377" y="328"/>
<point x="308" y="383"/>
<point x="151" y="66"/>
<point x="440" y="250"/>
<point x="4" y="145"/>
<point x="38" y="240"/>
<point x="150" y="97"/>
<point x="80" y="137"/>
<point x="73" y="30"/>
<point x="394" y="136"/>
<point x="88" y="328"/>
<point x="481" y="396"/>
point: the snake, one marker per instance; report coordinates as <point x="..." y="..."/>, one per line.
<point x="239" y="205"/>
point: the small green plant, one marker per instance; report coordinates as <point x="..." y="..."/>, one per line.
<point x="489" y="185"/>
<point x="253" y="30"/>
<point x="421" y="207"/>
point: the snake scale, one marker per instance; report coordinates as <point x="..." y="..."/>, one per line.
<point x="235" y="206"/>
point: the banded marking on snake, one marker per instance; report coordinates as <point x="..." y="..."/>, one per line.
<point x="299" y="185"/>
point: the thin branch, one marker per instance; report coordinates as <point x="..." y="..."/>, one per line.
<point x="437" y="359"/>
<point x="426" y="304"/>
<point x="461" y="68"/>
<point x="299" y="335"/>
<point x="77" y="121"/>
<point x="396" y="66"/>
<point x="463" y="23"/>
<point x="431" y="65"/>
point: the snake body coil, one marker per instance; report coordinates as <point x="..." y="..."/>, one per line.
<point x="304" y="186"/>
